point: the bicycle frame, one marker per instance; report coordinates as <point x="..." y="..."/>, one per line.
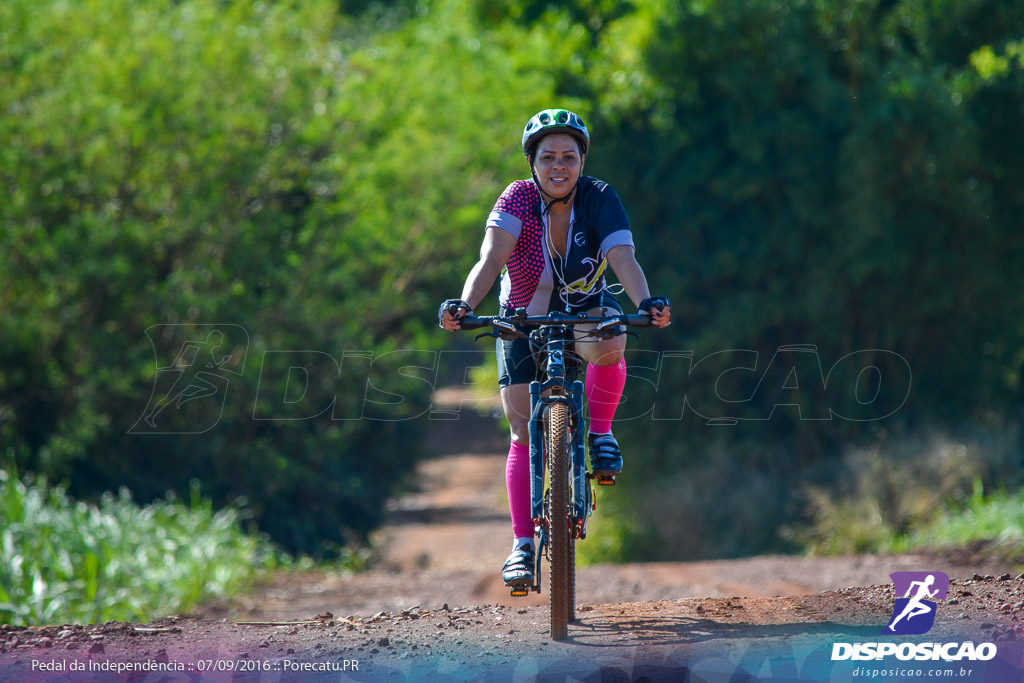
<point x="558" y="397"/>
<point x="568" y="391"/>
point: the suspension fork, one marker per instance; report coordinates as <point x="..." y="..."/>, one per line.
<point x="555" y="376"/>
<point x="536" y="451"/>
<point x="581" y="485"/>
<point x="582" y="499"/>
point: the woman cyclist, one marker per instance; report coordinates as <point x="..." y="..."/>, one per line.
<point x="551" y="238"/>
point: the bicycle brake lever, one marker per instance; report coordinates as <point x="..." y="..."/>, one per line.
<point x="507" y="335"/>
<point x="507" y="331"/>
<point x="600" y="334"/>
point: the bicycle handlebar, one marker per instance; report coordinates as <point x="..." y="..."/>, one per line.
<point x="470" y="322"/>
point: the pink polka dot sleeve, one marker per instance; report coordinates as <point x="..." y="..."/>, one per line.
<point x="521" y="201"/>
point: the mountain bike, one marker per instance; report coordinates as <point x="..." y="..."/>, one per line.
<point x="563" y="500"/>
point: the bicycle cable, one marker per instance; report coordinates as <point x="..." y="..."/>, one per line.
<point x="558" y="268"/>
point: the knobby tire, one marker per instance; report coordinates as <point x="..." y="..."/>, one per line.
<point x="562" y="546"/>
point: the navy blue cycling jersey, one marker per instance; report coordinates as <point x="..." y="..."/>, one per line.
<point x="534" y="275"/>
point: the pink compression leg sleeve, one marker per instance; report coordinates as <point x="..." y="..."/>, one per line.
<point x="517" y="482"/>
<point x="603" y="386"/>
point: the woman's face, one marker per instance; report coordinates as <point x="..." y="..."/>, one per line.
<point x="558" y="163"/>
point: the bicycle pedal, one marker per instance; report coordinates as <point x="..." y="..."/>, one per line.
<point x="519" y="591"/>
<point x="605" y="480"/>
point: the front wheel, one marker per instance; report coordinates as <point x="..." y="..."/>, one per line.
<point x="562" y="551"/>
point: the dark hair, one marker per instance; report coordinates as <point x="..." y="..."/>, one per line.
<point x="580" y="147"/>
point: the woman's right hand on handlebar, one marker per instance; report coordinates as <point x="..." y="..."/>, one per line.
<point x="450" y="312"/>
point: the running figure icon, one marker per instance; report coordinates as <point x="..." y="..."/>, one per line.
<point x="194" y="382"/>
<point x="917" y="605"/>
<point x="194" y="365"/>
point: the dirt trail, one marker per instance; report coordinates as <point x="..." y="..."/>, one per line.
<point x="433" y="608"/>
<point x="444" y="545"/>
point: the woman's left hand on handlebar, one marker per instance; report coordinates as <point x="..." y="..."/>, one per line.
<point x="662" y="317"/>
<point x="659" y="309"/>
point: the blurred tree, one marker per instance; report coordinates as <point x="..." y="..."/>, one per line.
<point x="818" y="173"/>
<point x="832" y="173"/>
<point x="196" y="164"/>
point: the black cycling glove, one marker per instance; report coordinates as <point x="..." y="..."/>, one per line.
<point x="652" y="302"/>
<point x="452" y="306"/>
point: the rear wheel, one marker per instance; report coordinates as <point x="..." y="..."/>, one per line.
<point x="562" y="551"/>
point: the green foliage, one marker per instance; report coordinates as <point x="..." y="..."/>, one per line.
<point x="893" y="490"/>
<point x="68" y="562"/>
<point x="616" y="533"/>
<point x="244" y="166"/>
<point x="162" y="176"/>
<point x="821" y="172"/>
<point x="828" y="189"/>
<point x="862" y="524"/>
<point x="996" y="520"/>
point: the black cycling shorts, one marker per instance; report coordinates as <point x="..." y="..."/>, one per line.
<point x="516" y="363"/>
